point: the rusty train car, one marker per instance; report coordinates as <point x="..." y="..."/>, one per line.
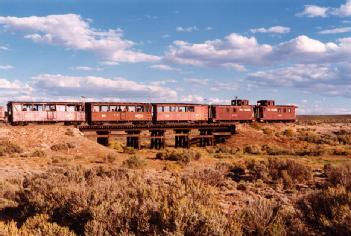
<point x="267" y="111"/>
<point x="139" y="113"/>
<point x="45" y="112"/>
<point x="3" y="115"/>
<point x="180" y="112"/>
<point x="239" y="110"/>
<point x="118" y="112"/>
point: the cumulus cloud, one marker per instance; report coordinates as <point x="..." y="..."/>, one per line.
<point x="6" y="67"/>
<point x="91" y="86"/>
<point x="327" y="79"/>
<point x="336" y="30"/>
<point x="187" y="29"/>
<point x="196" y="81"/>
<point x="344" y="10"/>
<point x="73" y="32"/>
<point x="314" y="11"/>
<point x="235" y="49"/>
<point x="273" y="29"/>
<point x="238" y="51"/>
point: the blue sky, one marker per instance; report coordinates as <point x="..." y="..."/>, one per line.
<point x="293" y="51"/>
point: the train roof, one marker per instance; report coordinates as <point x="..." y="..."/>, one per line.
<point x="175" y="103"/>
<point x="118" y="103"/>
<point x="38" y="102"/>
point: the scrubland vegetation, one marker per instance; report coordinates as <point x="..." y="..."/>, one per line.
<point x="267" y="180"/>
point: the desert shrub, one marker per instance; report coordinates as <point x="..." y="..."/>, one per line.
<point x="311" y="151"/>
<point x="8" y="147"/>
<point x="134" y="162"/>
<point x="129" y="150"/>
<point x="38" y="153"/>
<point x="209" y="176"/>
<point x="227" y="150"/>
<point x="339" y="151"/>
<point x="8" y="193"/>
<point x="338" y="175"/>
<point x="119" y="202"/>
<point x="274" y="150"/>
<point x="180" y="156"/>
<point x="118" y="146"/>
<point x="268" y="131"/>
<point x="262" y="217"/>
<point x="289" y="132"/>
<point x="63" y="146"/>
<point x="255" y="125"/>
<point x="328" y="211"/>
<point x="289" y="170"/>
<point x="37" y="225"/>
<point x="252" y="149"/>
<point x="344" y="139"/>
<point x="257" y="170"/>
<point x="110" y="158"/>
<point x="310" y="137"/>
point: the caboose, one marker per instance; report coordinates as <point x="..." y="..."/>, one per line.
<point x="266" y="110"/>
<point x="240" y="110"/>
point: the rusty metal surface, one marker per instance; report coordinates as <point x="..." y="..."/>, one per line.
<point x="199" y="113"/>
<point x="232" y="113"/>
<point x="18" y="112"/>
<point x="2" y="114"/>
<point x="121" y="116"/>
<point x="276" y="113"/>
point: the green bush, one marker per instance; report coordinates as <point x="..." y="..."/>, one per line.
<point x="134" y="162"/>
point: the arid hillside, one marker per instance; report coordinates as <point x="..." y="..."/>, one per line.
<point x="268" y="179"/>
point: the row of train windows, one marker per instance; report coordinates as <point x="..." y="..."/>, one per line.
<point x="280" y="110"/>
<point x="41" y="107"/>
<point x="228" y="109"/>
<point x="175" y="109"/>
<point x="120" y="108"/>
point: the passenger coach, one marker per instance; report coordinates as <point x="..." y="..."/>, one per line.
<point x="45" y="112"/>
<point x="118" y="112"/>
<point x="180" y="112"/>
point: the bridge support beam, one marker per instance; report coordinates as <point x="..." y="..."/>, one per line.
<point x="157" y="139"/>
<point x="133" y="139"/>
<point x="182" y="138"/>
<point x="207" y="137"/>
<point x="104" y="139"/>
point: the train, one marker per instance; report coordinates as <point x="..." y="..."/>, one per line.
<point x="100" y="113"/>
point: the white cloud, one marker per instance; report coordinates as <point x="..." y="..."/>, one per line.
<point x="6" y="67"/>
<point x="165" y="36"/>
<point x="314" y="11"/>
<point x="235" y="49"/>
<point x="240" y="51"/>
<point x="274" y="29"/>
<point x="327" y="79"/>
<point x="91" y="86"/>
<point x="209" y="28"/>
<point x="317" y="11"/>
<point x="71" y="31"/>
<point x="187" y="29"/>
<point x="109" y="63"/>
<point x="336" y="30"/>
<point x="86" y="68"/>
<point x="163" y="67"/>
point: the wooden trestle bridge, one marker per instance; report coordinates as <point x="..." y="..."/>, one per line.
<point x="183" y="134"/>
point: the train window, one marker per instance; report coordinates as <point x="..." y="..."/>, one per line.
<point x="234" y="109"/>
<point x="104" y="108"/>
<point x="227" y="110"/>
<point x="284" y="110"/>
<point x="166" y="109"/>
<point x="289" y="110"/>
<point x="96" y="109"/>
<point x="190" y="109"/>
<point x="119" y="109"/>
<point x="50" y="107"/>
<point x="139" y="109"/>
<point x="181" y="109"/>
<point x="38" y="107"/>
<point x="132" y="108"/>
<point x="61" y="108"/>
<point x="173" y="109"/>
<point x="160" y="109"/>
<point x="124" y="108"/>
<point x="279" y="110"/>
<point x="26" y="107"/>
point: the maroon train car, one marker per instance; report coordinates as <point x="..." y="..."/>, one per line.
<point x="266" y="110"/>
<point x="180" y="112"/>
<point x="45" y="112"/>
<point x="118" y="112"/>
<point x="239" y="110"/>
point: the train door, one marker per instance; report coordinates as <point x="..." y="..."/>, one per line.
<point x="51" y="112"/>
